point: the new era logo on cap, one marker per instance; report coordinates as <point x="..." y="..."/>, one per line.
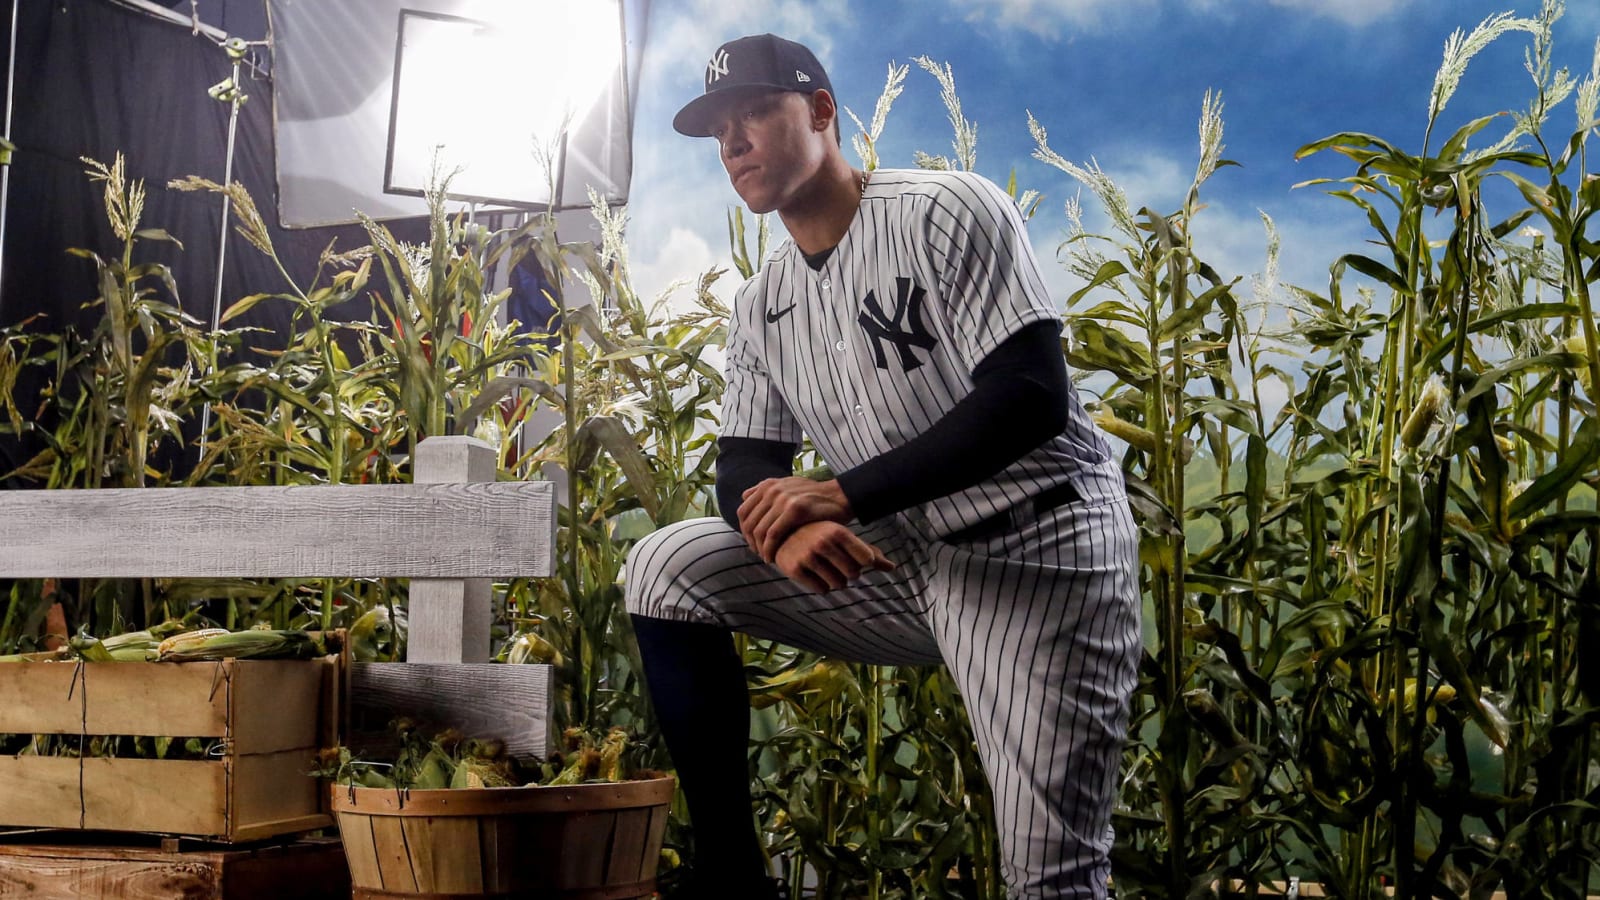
<point x="753" y="63"/>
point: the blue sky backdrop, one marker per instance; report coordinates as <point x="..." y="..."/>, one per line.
<point x="1118" y="81"/>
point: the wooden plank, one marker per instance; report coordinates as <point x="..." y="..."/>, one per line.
<point x="583" y="860"/>
<point x="499" y="838"/>
<point x="277" y="704"/>
<point x="308" y="869"/>
<point x="40" y="698"/>
<point x="450" y="618"/>
<point x="361" y="853"/>
<point x="394" y="857"/>
<point x="277" y="701"/>
<point x="455" y="458"/>
<point x="51" y="878"/>
<point x="493" y="530"/>
<point x="482" y="700"/>
<point x="628" y="843"/>
<point x="57" y="865"/>
<point x="420" y="848"/>
<point x="39" y="792"/>
<point x="657" y="834"/>
<point x="167" y="699"/>
<point x="444" y="853"/>
<point x="176" y="796"/>
<point x="174" y="699"/>
<point x="277" y="828"/>
<point x="272" y="793"/>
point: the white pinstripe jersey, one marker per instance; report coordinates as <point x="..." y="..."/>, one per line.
<point x="934" y="272"/>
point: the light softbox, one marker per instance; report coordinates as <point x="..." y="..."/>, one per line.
<point x="335" y="64"/>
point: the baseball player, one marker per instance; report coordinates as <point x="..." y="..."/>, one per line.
<point x="977" y="518"/>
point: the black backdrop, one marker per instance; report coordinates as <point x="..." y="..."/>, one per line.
<point x="93" y="78"/>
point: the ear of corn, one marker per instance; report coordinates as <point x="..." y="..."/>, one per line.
<point x="435" y="772"/>
<point x="611" y="754"/>
<point x="211" y="644"/>
<point x="372" y="636"/>
<point x="530" y="647"/>
<point x="40" y="656"/>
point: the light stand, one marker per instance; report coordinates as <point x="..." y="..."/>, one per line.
<point x="229" y="92"/>
<point x="5" y="164"/>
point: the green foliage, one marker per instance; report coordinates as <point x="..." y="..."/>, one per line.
<point x="1366" y="602"/>
<point x="1364" y="668"/>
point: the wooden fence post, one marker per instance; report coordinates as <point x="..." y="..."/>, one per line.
<point x="449" y="618"/>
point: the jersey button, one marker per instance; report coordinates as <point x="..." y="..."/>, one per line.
<point x="860" y="411"/>
<point x="839" y="346"/>
<point x="827" y="284"/>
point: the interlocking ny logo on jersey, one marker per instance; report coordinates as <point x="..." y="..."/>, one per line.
<point x="717" y="67"/>
<point x="904" y="329"/>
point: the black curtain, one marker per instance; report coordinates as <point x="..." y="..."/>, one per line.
<point x="94" y="78"/>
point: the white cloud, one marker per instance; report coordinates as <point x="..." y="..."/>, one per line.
<point x="1228" y="235"/>
<point x="1048" y="18"/>
<point x="680" y="198"/>
<point x="1350" y="12"/>
<point x="677" y="265"/>
<point x="1581" y="22"/>
<point x="683" y="35"/>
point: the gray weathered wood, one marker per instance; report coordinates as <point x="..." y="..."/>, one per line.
<point x="481" y="700"/>
<point x="494" y="530"/>
<point x="454" y="458"/>
<point x="450" y="533"/>
<point x="449" y="618"/>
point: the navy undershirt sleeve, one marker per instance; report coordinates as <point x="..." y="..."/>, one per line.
<point x="743" y="463"/>
<point x="1019" y="400"/>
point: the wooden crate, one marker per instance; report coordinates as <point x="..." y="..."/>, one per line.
<point x="54" y="866"/>
<point x="271" y="717"/>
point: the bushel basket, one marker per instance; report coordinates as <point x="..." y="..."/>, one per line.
<point x="578" y="842"/>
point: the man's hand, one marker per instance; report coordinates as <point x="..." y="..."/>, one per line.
<point x="777" y="507"/>
<point x="825" y="556"/>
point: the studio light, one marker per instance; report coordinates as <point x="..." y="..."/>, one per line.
<point x="491" y="96"/>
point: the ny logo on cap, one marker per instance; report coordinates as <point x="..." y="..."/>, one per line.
<point x="717" y="67"/>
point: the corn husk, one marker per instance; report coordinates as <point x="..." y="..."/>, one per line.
<point x="132" y="646"/>
<point x="38" y="656"/>
<point x="530" y="647"/>
<point x="809" y="688"/>
<point x="216" y="643"/>
<point x="371" y="637"/>
<point x="1430" y="410"/>
<point x="611" y="754"/>
<point x="1133" y="435"/>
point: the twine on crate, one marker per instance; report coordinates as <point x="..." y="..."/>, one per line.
<point x="79" y="675"/>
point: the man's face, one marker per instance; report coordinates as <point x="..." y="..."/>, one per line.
<point x="770" y="147"/>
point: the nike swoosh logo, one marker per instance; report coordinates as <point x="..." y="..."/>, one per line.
<point x="773" y="315"/>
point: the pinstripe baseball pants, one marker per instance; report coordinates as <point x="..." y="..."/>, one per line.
<point x="1038" y="624"/>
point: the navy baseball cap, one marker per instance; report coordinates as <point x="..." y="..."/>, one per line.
<point x="758" y="62"/>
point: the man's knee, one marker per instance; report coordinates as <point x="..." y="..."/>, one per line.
<point x="664" y="566"/>
<point x="642" y="571"/>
